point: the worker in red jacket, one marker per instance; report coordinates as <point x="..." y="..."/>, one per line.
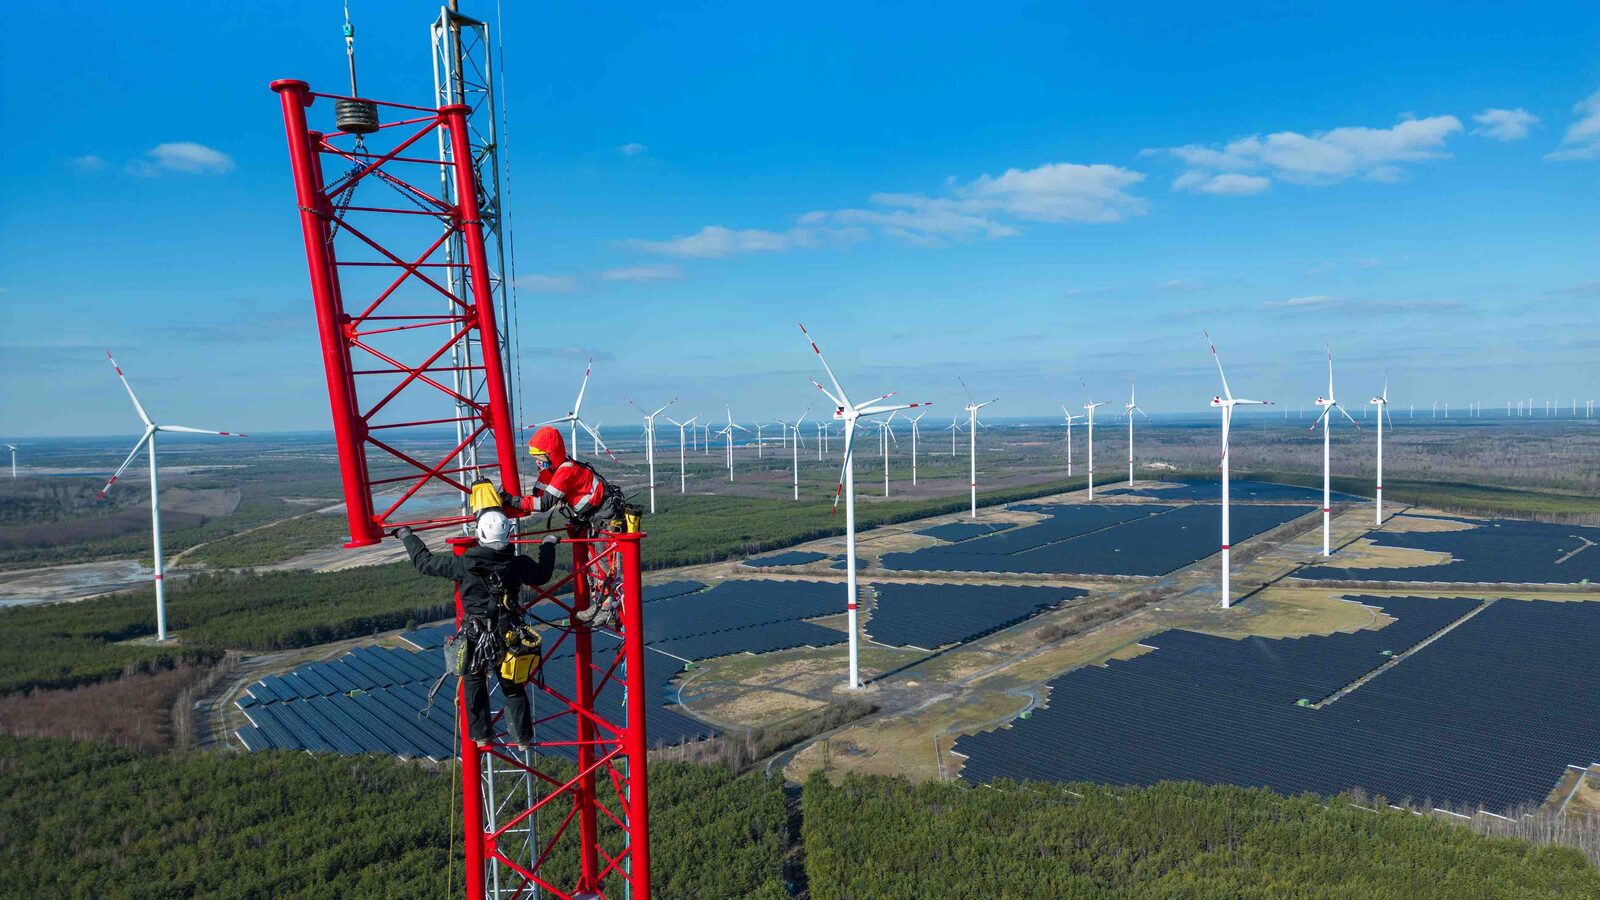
<point x="561" y="481"/>
<point x="574" y="488"/>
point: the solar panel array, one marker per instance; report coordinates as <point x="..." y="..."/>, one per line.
<point x="1488" y="715"/>
<point x="1498" y="551"/>
<point x="1238" y="491"/>
<point x="368" y="700"/>
<point x="929" y="616"/>
<point x="787" y="558"/>
<point x="1094" y="539"/>
<point x="960" y="531"/>
<point x="839" y="563"/>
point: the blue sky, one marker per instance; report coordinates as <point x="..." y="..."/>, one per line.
<point x="1029" y="195"/>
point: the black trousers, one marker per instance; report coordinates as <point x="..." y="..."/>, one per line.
<point x="479" y="717"/>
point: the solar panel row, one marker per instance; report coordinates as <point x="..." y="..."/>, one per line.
<point x="1488" y="715"/>
<point x="1127" y="539"/>
<point x="1498" y="551"/>
<point x="929" y="616"/>
<point x="1238" y="491"/>
<point x="363" y="668"/>
<point x="788" y="558"/>
<point x="961" y="531"/>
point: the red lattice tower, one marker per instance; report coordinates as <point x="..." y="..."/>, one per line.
<point x="388" y="327"/>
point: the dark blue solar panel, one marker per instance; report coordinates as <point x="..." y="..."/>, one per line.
<point x="1238" y="492"/>
<point x="1084" y="539"/>
<point x="929" y="616"/>
<point x="961" y="531"/>
<point x="787" y="558"/>
<point x="1497" y="551"/>
<point x="839" y="563"/>
<point x="1488" y="715"/>
<point x="755" y="639"/>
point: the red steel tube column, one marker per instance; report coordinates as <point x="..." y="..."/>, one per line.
<point x="636" y="749"/>
<point x="348" y="430"/>
<point x="471" y="773"/>
<point x="499" y="417"/>
<point x="583" y="697"/>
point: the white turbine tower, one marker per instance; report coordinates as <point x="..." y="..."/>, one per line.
<point x="848" y="412"/>
<point x="954" y="428"/>
<point x="151" y="429"/>
<point x="759" y="441"/>
<point x="1328" y="404"/>
<point x="1091" y="406"/>
<point x="795" y="447"/>
<point x="915" y="419"/>
<point x="972" y="443"/>
<point x="1226" y="403"/>
<point x="683" y="479"/>
<point x="650" y="444"/>
<point x="1382" y="402"/>
<point x="13" y="449"/>
<point x="1070" y="419"/>
<point x="885" y="434"/>
<point x="574" y="420"/>
<point x="728" y="433"/>
<point x="1129" y="410"/>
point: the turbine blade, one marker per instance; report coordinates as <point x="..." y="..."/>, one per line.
<point x="124" y="467"/>
<point x="143" y="417"/>
<point x="966" y="389"/>
<point x="577" y="406"/>
<point x="183" y="430"/>
<point x="843" y="398"/>
<point x="849" y="448"/>
<point x="596" y="435"/>
<point x="1347" y="416"/>
<point x="1218" y="360"/>
<point x="663" y="409"/>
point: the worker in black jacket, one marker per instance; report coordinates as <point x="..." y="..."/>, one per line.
<point x="491" y="576"/>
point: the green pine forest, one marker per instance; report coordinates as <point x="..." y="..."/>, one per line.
<point x="80" y="819"/>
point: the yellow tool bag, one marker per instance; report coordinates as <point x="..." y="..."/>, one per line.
<point x="522" y="656"/>
<point x="485" y="496"/>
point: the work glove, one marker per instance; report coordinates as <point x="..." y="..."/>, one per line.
<point x="403" y="532"/>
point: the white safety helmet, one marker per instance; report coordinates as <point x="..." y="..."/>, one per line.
<point x="493" y="529"/>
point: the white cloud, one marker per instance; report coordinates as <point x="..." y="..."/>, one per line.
<point x="1185" y="285"/>
<point x="1321" y="158"/>
<point x="642" y="273"/>
<point x="87" y="163"/>
<point x="181" y="157"/>
<point x="1368" y="262"/>
<point x="717" y="242"/>
<point x="1227" y="183"/>
<point x="1504" y="124"/>
<point x="633" y="149"/>
<point x="547" y="284"/>
<point x="1582" y="140"/>
<point x="989" y="206"/>
<point x="1328" y="302"/>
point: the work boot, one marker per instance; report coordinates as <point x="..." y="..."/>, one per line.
<point x="599" y="616"/>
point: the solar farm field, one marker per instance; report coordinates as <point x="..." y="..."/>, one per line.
<point x="371" y="700"/>
<point x="1238" y="491"/>
<point x="1494" y="551"/>
<point x="929" y="616"/>
<point x="1099" y="539"/>
<point x="1486" y="716"/>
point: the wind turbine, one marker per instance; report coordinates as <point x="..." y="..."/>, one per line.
<point x="795" y="427"/>
<point x="13" y="449"/>
<point x="850" y="412"/>
<point x="575" y="421"/>
<point x="683" y="479"/>
<point x="915" y="419"/>
<point x="1091" y="406"/>
<point x="1070" y="419"/>
<point x="972" y="440"/>
<point x="954" y="428"/>
<point x="1382" y="402"/>
<point x="1129" y="410"/>
<point x="1329" y="404"/>
<point x="728" y="433"/>
<point x="759" y="428"/>
<point x="650" y="444"/>
<point x="1226" y="403"/>
<point x="885" y="433"/>
<point x="151" y="429"/>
